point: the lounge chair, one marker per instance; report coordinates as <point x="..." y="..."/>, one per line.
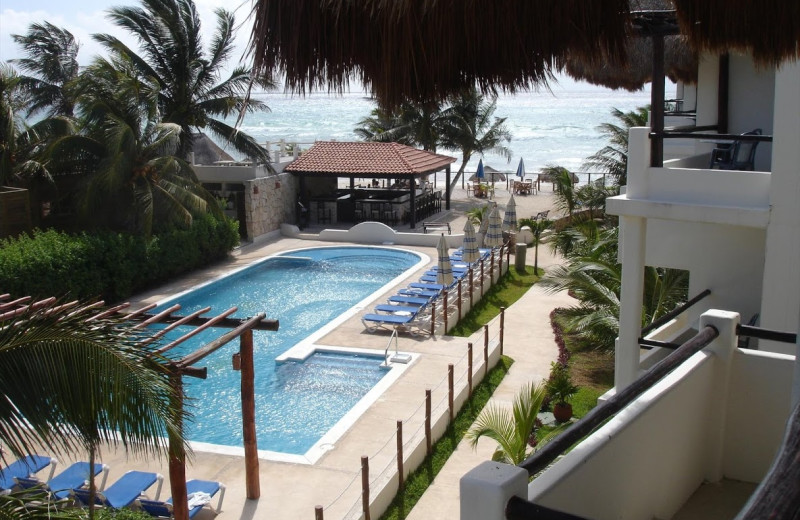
<point x="24" y="467"/>
<point x="373" y="321"/>
<point x="397" y="309"/>
<point x="421" y="293"/>
<point x="410" y="300"/>
<point x="124" y="491"/>
<point x="197" y="490"/>
<point x="60" y="486"/>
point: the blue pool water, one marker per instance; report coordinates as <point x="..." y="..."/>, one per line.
<point x="296" y="402"/>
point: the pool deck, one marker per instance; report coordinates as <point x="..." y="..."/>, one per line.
<point x="291" y="491"/>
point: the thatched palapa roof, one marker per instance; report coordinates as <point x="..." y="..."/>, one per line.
<point x="425" y="50"/>
<point x="207" y="151"/>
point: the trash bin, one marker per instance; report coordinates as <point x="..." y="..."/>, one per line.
<point x="519" y="257"/>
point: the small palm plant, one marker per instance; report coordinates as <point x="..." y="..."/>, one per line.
<point x="560" y="391"/>
<point x="511" y="429"/>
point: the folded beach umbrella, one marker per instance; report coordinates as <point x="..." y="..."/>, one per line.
<point x="494" y="235"/>
<point x="510" y="216"/>
<point x="521" y="169"/>
<point x="479" y="174"/>
<point x="444" y="269"/>
<point x="469" y="250"/>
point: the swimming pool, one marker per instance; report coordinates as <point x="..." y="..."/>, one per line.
<point x="309" y="291"/>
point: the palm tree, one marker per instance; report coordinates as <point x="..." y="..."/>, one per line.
<point x="135" y="181"/>
<point x="412" y="124"/>
<point x="566" y="199"/>
<point x="613" y="158"/>
<point x="184" y="77"/>
<point x="52" y="60"/>
<point x="468" y="126"/>
<point x="511" y="430"/>
<point x="70" y="387"/>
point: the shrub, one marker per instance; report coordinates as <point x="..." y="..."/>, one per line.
<point x="107" y="265"/>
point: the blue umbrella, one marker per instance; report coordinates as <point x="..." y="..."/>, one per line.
<point x="521" y="169"/>
<point x="479" y="173"/>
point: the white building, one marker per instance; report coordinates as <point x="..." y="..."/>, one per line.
<point x="697" y="443"/>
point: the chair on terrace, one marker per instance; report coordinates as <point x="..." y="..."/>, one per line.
<point x="740" y="155"/>
<point x="200" y="493"/>
<point x="124" y="491"/>
<point x="24" y="467"/>
<point x="60" y="486"/>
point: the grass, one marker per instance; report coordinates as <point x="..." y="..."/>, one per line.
<point x="418" y="481"/>
<point x="506" y="291"/>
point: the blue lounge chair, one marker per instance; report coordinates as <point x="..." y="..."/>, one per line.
<point x="62" y="484"/>
<point x="124" y="491"/>
<point x="194" y="488"/>
<point x="24" y="467"/>
<point x="397" y="309"/>
<point x="410" y="300"/>
<point x="373" y="321"/>
<point x="421" y="293"/>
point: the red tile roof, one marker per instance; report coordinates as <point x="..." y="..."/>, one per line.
<point x="367" y="158"/>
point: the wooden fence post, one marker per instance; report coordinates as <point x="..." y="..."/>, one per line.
<point x="365" y="486"/>
<point x="469" y="369"/>
<point x="450" y="377"/>
<point x="433" y="318"/>
<point x="400" y="454"/>
<point x="318" y="513"/>
<point x="252" y="484"/>
<point x="428" y="440"/>
<point x="482" y="277"/>
<point x="471" y="287"/>
<point x="491" y="268"/>
<point x="485" y="360"/>
<point x="458" y="302"/>
<point x="444" y="304"/>
<point x="502" y="327"/>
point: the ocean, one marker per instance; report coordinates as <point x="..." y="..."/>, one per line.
<point x="547" y="128"/>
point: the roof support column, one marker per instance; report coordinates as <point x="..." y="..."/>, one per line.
<point x="252" y="483"/>
<point x="177" y="454"/>
<point x="447" y="188"/>
<point x="657" y="102"/>
<point x="723" y="89"/>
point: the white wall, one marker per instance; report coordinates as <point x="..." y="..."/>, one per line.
<point x="750" y="103"/>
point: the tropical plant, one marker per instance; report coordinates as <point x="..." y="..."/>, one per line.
<point x="469" y="126"/>
<point x="538" y="228"/>
<point x="566" y="199"/>
<point x="412" y="124"/>
<point x="70" y="387"/>
<point x="613" y="158"/>
<point x="477" y="214"/>
<point x="512" y="430"/>
<point x="183" y="77"/>
<point x="135" y="180"/>
<point x="51" y="57"/>
<point x="560" y="388"/>
<point x="33" y="504"/>
<point x="592" y="197"/>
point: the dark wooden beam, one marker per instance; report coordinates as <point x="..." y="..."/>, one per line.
<point x="723" y="93"/>
<point x="657" y="102"/>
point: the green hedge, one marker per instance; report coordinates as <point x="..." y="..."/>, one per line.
<point x="108" y="265"/>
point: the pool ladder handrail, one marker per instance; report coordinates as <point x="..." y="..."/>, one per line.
<point x="388" y="346"/>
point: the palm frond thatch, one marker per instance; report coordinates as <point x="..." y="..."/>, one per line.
<point x="429" y="50"/>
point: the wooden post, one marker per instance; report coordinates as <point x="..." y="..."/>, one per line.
<point x="252" y="484"/>
<point x="365" y="486"/>
<point x="491" y="268"/>
<point x="428" y="440"/>
<point x="485" y="336"/>
<point x="444" y="304"/>
<point x="500" y="261"/>
<point x="433" y="318"/>
<point x="450" y="390"/>
<point x="318" y="513"/>
<point x="508" y="258"/>
<point x="471" y="287"/>
<point x="400" y="455"/>
<point x="177" y="457"/>
<point x="469" y="369"/>
<point x="485" y="359"/>
<point x="482" y="277"/>
<point x="502" y="327"/>
<point x="458" y="302"/>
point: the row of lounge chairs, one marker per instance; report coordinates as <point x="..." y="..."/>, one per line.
<point x="411" y="308"/>
<point x="126" y="492"/>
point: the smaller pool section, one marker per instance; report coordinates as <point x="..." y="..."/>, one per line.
<point x="309" y="291"/>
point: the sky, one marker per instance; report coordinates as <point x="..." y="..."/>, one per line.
<point x="86" y="17"/>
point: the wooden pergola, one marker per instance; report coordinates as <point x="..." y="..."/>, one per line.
<point x="241" y="328"/>
<point x="370" y="160"/>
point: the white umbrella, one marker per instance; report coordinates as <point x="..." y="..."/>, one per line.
<point x="469" y="251"/>
<point x="444" y="270"/>
<point x="494" y="235"/>
<point x="510" y="217"/>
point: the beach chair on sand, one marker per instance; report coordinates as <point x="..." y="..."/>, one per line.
<point x="60" y="486"/>
<point x="124" y="491"/>
<point x="200" y="493"/>
<point x="24" y="467"/>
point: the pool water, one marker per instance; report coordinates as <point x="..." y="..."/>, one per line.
<point x="296" y="402"/>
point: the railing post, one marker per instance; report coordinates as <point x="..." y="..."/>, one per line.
<point x="433" y="318"/>
<point x="491" y="268"/>
<point x="502" y="327"/>
<point x="482" y="277"/>
<point x="486" y="336"/>
<point x="365" y="486"/>
<point x="428" y="440"/>
<point x="444" y="304"/>
<point x="458" y="302"/>
<point x="469" y="369"/>
<point x="485" y="359"/>
<point x="500" y="261"/>
<point x="450" y="389"/>
<point x="486" y="489"/>
<point x="400" y="455"/>
<point x="471" y="287"/>
<point x="318" y="513"/>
